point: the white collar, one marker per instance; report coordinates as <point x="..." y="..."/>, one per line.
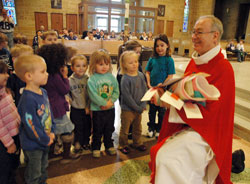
<point x="205" y="58"/>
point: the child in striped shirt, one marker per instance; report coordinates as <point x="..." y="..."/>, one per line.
<point x="9" y="123"/>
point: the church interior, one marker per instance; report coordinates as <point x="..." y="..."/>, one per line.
<point x="176" y="19"/>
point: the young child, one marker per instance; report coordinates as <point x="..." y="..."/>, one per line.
<point x="57" y="87"/>
<point x="15" y="84"/>
<point x="36" y="130"/>
<point x="9" y="123"/>
<point x="49" y="37"/>
<point x="159" y="69"/>
<point x="4" y="53"/>
<point x="133" y="86"/>
<point x="79" y="112"/>
<point x="103" y="91"/>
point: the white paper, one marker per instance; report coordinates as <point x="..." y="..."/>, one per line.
<point x="174" y="116"/>
<point x="149" y="94"/>
<point x="170" y="99"/>
<point x="192" y="111"/>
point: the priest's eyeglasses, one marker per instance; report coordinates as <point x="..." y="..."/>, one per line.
<point x="199" y="33"/>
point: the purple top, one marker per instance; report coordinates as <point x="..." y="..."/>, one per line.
<point x="57" y="87"/>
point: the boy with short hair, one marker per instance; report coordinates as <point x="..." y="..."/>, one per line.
<point x="49" y="37"/>
<point x="14" y="83"/>
<point x="36" y="130"/>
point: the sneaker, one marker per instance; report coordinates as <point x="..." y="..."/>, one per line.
<point x="71" y="158"/>
<point x="96" y="154"/>
<point x="150" y="134"/>
<point x="125" y="150"/>
<point x="141" y="148"/>
<point x="112" y="151"/>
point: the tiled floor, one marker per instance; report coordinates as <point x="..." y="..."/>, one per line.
<point x="107" y="169"/>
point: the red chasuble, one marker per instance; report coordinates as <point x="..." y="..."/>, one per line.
<point x="216" y="127"/>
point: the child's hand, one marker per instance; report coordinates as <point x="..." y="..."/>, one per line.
<point x="64" y="71"/>
<point x="149" y="86"/>
<point x="87" y="110"/>
<point x="108" y="105"/>
<point x="159" y="85"/>
<point x="11" y="148"/>
<point x="50" y="141"/>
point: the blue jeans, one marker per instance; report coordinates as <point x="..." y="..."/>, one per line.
<point x="36" y="169"/>
<point x="153" y="109"/>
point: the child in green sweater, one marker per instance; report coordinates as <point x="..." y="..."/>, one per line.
<point x="103" y="91"/>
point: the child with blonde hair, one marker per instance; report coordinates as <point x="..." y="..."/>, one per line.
<point x="37" y="125"/>
<point x="103" y="91"/>
<point x="79" y="111"/>
<point x="133" y="87"/>
<point x="15" y="84"/>
<point x="9" y="124"/>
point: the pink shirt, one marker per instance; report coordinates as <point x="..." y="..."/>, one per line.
<point x="9" y="118"/>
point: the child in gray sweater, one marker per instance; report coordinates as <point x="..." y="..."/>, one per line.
<point x="133" y="87"/>
<point x="79" y="112"/>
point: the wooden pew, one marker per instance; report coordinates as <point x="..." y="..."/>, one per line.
<point x="111" y="46"/>
<point x="86" y="47"/>
<point x="146" y="43"/>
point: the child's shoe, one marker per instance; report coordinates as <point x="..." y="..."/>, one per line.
<point x="150" y="133"/>
<point x="139" y="148"/>
<point x="96" y="153"/>
<point x="112" y="151"/>
<point x="125" y="150"/>
<point x="157" y="135"/>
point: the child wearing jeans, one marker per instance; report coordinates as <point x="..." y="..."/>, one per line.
<point x="103" y="91"/>
<point x="36" y="130"/>
<point x="159" y="69"/>
<point x="9" y="123"/>
<point x="133" y="86"/>
<point x="58" y="86"/>
<point x="79" y="112"/>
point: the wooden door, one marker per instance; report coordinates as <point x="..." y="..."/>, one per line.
<point x="71" y="22"/>
<point x="170" y="28"/>
<point x="57" y="21"/>
<point x="41" y="19"/>
<point x="160" y="26"/>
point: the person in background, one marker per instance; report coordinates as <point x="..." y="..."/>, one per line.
<point x="7" y="26"/>
<point x="14" y="83"/>
<point x="4" y="53"/>
<point x="241" y="54"/>
<point x="103" y="91"/>
<point x="79" y="111"/>
<point x="160" y="68"/>
<point x="65" y="34"/>
<point x="37" y="124"/>
<point x="144" y="36"/>
<point x="72" y="36"/>
<point x="9" y="125"/>
<point x="133" y="36"/>
<point x="133" y="87"/>
<point x="42" y="29"/>
<point x="150" y="36"/>
<point x="201" y="147"/>
<point x="90" y="36"/>
<point x="71" y="53"/>
<point x="101" y="34"/>
<point x="95" y="35"/>
<point x="113" y="36"/>
<point x="35" y="43"/>
<point x="49" y="37"/>
<point x="106" y="36"/>
<point x="84" y="34"/>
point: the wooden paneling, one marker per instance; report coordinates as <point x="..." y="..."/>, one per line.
<point x="41" y="18"/>
<point x="71" y="22"/>
<point x="57" y="21"/>
<point x="170" y="28"/>
<point x="160" y="26"/>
